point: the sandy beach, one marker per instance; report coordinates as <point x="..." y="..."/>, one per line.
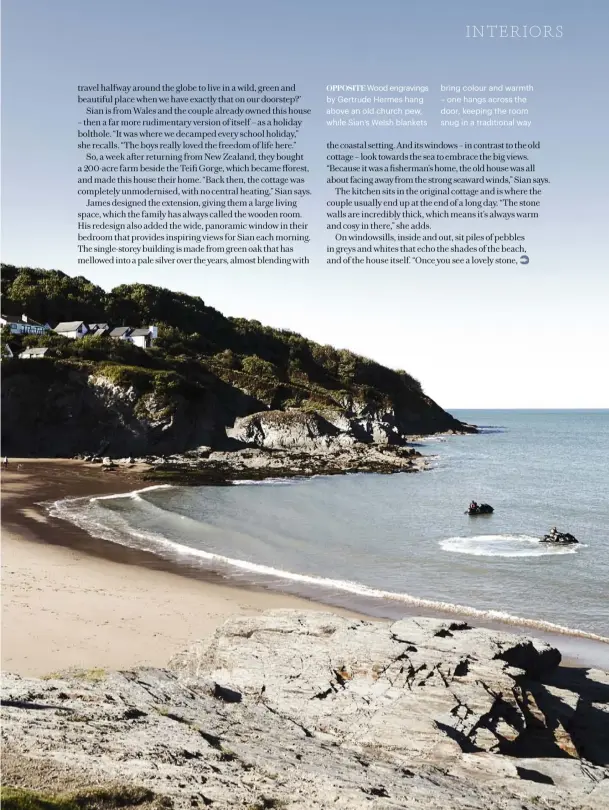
<point x="70" y="600"/>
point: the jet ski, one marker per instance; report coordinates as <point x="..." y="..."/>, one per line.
<point x="559" y="538"/>
<point x="480" y="509"/>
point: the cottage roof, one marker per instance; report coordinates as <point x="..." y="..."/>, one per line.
<point x="98" y="329"/>
<point x="141" y="331"/>
<point x="120" y="331"/>
<point x="37" y="352"/>
<point x="68" y="326"/>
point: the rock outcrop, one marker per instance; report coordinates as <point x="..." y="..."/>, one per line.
<point x="62" y="411"/>
<point x="290" y="430"/>
<point x="307" y="710"/>
<point x="310" y="431"/>
<point x="337" y="458"/>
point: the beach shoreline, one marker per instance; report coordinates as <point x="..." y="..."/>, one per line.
<point x="71" y="600"/>
<point x="74" y="600"/>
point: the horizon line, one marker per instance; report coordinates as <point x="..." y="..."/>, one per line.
<point x="528" y="408"/>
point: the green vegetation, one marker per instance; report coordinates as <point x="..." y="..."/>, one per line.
<point x="13" y="798"/>
<point x="93" y="675"/>
<point x="195" y="343"/>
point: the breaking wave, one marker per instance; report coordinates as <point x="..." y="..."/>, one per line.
<point x="266" y="482"/>
<point x="99" y="522"/>
<point x="134" y="495"/>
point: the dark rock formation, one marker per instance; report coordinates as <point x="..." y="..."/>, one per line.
<point x="61" y="411"/>
<point x="54" y="409"/>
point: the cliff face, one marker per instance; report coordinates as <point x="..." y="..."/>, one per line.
<point x="306" y="710"/>
<point x="52" y="408"/>
<point x="64" y="412"/>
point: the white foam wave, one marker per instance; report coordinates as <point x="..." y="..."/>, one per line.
<point x="123" y="534"/>
<point x="134" y="494"/>
<point x="282" y="482"/>
<point x="265" y="482"/>
<point x="504" y="545"/>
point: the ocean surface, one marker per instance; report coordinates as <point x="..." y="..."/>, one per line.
<point x="391" y="544"/>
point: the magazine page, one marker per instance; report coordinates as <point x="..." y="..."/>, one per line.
<point x="305" y="410"/>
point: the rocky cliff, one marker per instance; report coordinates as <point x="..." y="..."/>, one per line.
<point x="301" y="710"/>
<point x="60" y="408"/>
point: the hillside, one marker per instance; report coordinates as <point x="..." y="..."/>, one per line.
<point x="204" y="372"/>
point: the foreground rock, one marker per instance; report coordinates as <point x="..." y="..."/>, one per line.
<point x="308" y="710"/>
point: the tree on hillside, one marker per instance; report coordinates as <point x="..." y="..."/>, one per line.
<point x="50" y="296"/>
<point x="189" y="330"/>
<point x="144" y="304"/>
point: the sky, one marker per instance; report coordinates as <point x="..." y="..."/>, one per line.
<point x="534" y="336"/>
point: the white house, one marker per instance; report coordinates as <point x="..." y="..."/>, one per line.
<point x="71" y="329"/>
<point x="141" y="336"/>
<point x="22" y="325"/>
<point x="144" y="336"/>
<point x="33" y="354"/>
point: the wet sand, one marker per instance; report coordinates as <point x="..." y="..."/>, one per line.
<point x="73" y="600"/>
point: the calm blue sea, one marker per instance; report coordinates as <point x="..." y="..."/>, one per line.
<point x="393" y="544"/>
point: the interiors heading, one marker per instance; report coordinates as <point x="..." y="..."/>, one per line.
<point x="515" y="31"/>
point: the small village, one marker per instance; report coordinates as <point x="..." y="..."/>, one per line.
<point x="143" y="337"/>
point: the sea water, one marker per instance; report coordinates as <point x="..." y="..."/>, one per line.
<point x="385" y="544"/>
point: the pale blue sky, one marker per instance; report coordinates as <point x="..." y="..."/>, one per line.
<point x="535" y="336"/>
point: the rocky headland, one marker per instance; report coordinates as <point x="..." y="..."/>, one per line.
<point x="280" y="444"/>
<point x="303" y="710"/>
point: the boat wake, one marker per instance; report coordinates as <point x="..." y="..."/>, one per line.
<point x="505" y="545"/>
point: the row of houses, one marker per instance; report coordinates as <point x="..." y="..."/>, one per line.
<point x="143" y="336"/>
